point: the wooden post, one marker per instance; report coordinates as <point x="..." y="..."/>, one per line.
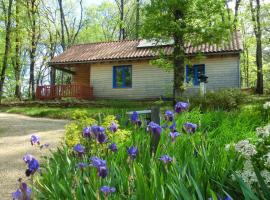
<point x="154" y="137"/>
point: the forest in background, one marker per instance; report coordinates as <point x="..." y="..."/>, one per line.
<point x="32" y="32"/>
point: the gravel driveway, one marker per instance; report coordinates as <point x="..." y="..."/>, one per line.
<point x="15" y="132"/>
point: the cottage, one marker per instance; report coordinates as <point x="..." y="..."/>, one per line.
<point x="121" y="69"/>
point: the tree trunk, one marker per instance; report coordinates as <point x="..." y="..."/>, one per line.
<point x="137" y="19"/>
<point x="62" y="20"/>
<point x="256" y="13"/>
<point x="247" y="68"/>
<point x="121" y="26"/>
<point x="7" y="48"/>
<point x="178" y="60"/>
<point x="236" y="9"/>
<point x="33" y="48"/>
<point x="17" y="64"/>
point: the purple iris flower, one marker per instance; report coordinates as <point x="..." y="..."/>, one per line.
<point x="154" y="128"/>
<point x="101" y="137"/>
<point x="107" y="190"/>
<point x="169" y="115"/>
<point x="181" y="106"/>
<point x="102" y="171"/>
<point x="34" y="140"/>
<point x="97" y="162"/>
<point x="87" y="132"/>
<point x="165" y="159"/>
<point x="134" y="117"/>
<point x="190" y="127"/>
<point x="23" y="193"/>
<point x="97" y="129"/>
<point x="174" y="135"/>
<point x="27" y="158"/>
<point x="113" y="127"/>
<point x="100" y="165"/>
<point x="33" y="166"/>
<point x="82" y="165"/>
<point x="132" y="152"/>
<point x="113" y="147"/>
<point x="80" y="149"/>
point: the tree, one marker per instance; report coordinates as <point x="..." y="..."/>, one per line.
<point x="8" y="13"/>
<point x="137" y="19"/>
<point x="236" y="11"/>
<point x="18" y="45"/>
<point x="120" y="4"/>
<point x="195" y="21"/>
<point x="256" y="14"/>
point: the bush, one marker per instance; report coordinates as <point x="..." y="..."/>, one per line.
<point x="220" y="100"/>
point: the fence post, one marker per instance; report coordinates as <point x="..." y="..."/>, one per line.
<point x="154" y="137"/>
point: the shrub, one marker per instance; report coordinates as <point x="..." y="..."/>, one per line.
<point x="220" y="100"/>
<point x="73" y="133"/>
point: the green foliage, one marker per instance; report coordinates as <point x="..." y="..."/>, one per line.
<point x="191" y="175"/>
<point x="201" y="21"/>
<point x="220" y="100"/>
<point x="73" y="134"/>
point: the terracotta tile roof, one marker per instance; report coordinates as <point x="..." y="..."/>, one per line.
<point x="128" y="50"/>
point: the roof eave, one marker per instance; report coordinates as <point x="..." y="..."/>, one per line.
<point x="235" y="52"/>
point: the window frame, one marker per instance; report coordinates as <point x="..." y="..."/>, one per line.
<point x="122" y="67"/>
<point x="196" y="81"/>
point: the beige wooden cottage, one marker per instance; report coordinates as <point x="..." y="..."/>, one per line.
<point x="121" y="69"/>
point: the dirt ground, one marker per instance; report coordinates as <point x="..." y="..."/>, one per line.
<point x="15" y="133"/>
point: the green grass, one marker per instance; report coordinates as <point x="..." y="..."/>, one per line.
<point x="101" y="107"/>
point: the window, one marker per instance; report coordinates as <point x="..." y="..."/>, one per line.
<point x="193" y="73"/>
<point x="122" y="77"/>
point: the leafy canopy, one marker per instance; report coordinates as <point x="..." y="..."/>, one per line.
<point x="201" y="21"/>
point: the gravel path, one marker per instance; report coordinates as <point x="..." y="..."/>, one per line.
<point x="15" y="132"/>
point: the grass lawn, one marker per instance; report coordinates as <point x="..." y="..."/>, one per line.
<point x="59" y="112"/>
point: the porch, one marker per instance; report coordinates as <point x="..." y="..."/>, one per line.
<point x="50" y="92"/>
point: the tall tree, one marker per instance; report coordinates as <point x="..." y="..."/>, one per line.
<point x="34" y="36"/>
<point x="8" y="13"/>
<point x="137" y="30"/>
<point x="236" y="11"/>
<point x="195" y="21"/>
<point x="120" y="4"/>
<point x="69" y="32"/>
<point x="18" y="45"/>
<point x="256" y="14"/>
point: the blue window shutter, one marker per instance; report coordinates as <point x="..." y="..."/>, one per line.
<point x="187" y="71"/>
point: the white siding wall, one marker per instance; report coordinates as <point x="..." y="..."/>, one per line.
<point x="151" y="82"/>
<point x="223" y="72"/>
<point x="147" y="81"/>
